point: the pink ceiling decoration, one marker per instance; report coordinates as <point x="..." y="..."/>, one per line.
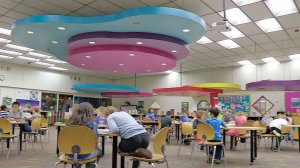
<point x="126" y="94"/>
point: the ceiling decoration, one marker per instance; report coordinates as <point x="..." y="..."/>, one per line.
<point x="274" y="85"/>
<point x="105" y="43"/>
<point x="185" y="91"/>
<point x="126" y="94"/>
<point x="226" y="87"/>
<point x="99" y="88"/>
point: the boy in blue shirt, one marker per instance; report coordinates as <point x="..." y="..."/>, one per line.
<point x="216" y="123"/>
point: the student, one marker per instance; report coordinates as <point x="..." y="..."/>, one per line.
<point x="290" y="122"/>
<point x="200" y="118"/>
<point x="151" y="115"/>
<point x="35" y="113"/>
<point x="184" y="117"/>
<point x="134" y="137"/>
<point x="83" y="116"/>
<point x="100" y="119"/>
<point x="228" y="116"/>
<point x="267" y="120"/>
<point x="166" y="121"/>
<point x="276" y="126"/>
<point x="3" y="111"/>
<point x="16" y="113"/>
<point x="216" y="123"/>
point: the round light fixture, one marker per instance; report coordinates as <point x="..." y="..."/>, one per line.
<point x="61" y="28"/>
<point x="174" y="51"/>
<point x="92" y="42"/>
<point x="88" y="56"/>
<point x="139" y="42"/>
<point x="131" y="55"/>
<point x="121" y="64"/>
<point x="54" y="42"/>
<point x="163" y="64"/>
<point x="30" y="32"/>
<point x="186" y="30"/>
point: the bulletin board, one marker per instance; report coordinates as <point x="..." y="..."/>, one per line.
<point x="235" y="103"/>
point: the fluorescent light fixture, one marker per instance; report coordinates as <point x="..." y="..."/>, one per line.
<point x="38" y="55"/>
<point x="269" y="60"/>
<point x="61" y="28"/>
<point x="3" y="40"/>
<point x="244" y="2"/>
<point x="235" y="16"/>
<point x="228" y="44"/>
<point x="54" y="42"/>
<point x="174" y="51"/>
<point x="18" y="47"/>
<point x="294" y="57"/>
<point x="170" y="71"/>
<point x="186" y="30"/>
<point x="44" y="64"/>
<point x="82" y="64"/>
<point x="92" y="42"/>
<point x="245" y="62"/>
<point x="280" y="8"/>
<point x="5" y="57"/>
<point x="131" y="55"/>
<point x="30" y="32"/>
<point x="234" y="33"/>
<point x="10" y="52"/>
<point x="163" y="64"/>
<point x="28" y="58"/>
<point x="148" y="70"/>
<point x="139" y="42"/>
<point x="5" y="31"/>
<point x="88" y="56"/>
<point x="55" y="61"/>
<point x="204" y="40"/>
<point x="269" y="25"/>
<point x="121" y="64"/>
<point x="115" y="71"/>
<point x="57" y="68"/>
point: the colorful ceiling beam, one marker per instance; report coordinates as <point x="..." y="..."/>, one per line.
<point x="99" y="88"/>
<point x="274" y="85"/>
<point x="137" y="40"/>
<point x="226" y="87"/>
<point x="126" y="94"/>
<point x="185" y="91"/>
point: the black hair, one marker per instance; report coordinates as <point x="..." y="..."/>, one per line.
<point x="16" y="103"/>
<point x="3" y="107"/>
<point x="214" y="111"/>
<point x="168" y="113"/>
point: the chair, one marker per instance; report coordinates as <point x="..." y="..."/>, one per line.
<point x="5" y="133"/>
<point x="187" y="132"/>
<point x="206" y="133"/>
<point x="284" y="132"/>
<point x="71" y="142"/>
<point x="35" y="126"/>
<point x="44" y="127"/>
<point x="158" y="155"/>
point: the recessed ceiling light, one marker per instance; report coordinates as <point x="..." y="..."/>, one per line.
<point x="174" y="51"/>
<point x="163" y="64"/>
<point x="169" y="71"/>
<point x="235" y="16"/>
<point x="3" y="40"/>
<point x="234" y="33"/>
<point x="294" y="57"/>
<point x="115" y="71"/>
<point x="269" y="25"/>
<point x="30" y="32"/>
<point x="139" y="42"/>
<point x="5" y="57"/>
<point x="58" y="68"/>
<point x="38" y="55"/>
<point x="204" y="40"/>
<point x="87" y="56"/>
<point x="28" y="58"/>
<point x="229" y="44"/>
<point x="18" y="47"/>
<point x="186" y="30"/>
<point x="61" y="28"/>
<point x="55" y="61"/>
<point x="54" y="42"/>
<point x="10" y="52"/>
<point x="83" y="64"/>
<point x="244" y="2"/>
<point x="131" y="55"/>
<point x="121" y="64"/>
<point x="280" y="8"/>
<point x="5" y="31"/>
<point x="148" y="70"/>
<point x="43" y="63"/>
<point x="92" y="42"/>
<point x="269" y="60"/>
<point x="245" y="62"/>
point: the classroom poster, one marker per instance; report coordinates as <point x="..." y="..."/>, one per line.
<point x="7" y="101"/>
<point x="23" y="94"/>
<point x="235" y="103"/>
<point x="27" y="104"/>
<point x="33" y="95"/>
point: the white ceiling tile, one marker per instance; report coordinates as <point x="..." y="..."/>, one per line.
<point x="286" y="44"/>
<point x="226" y="52"/>
<point x="297" y="41"/>
<point x="278" y="35"/>
<point x="128" y="3"/>
<point x="252" y="11"/>
<point x="70" y="5"/>
<point x="243" y="41"/>
<point x="289" y="21"/>
<point x="196" y="7"/>
<point x="7" y="20"/>
<point x="294" y="32"/>
<point x="201" y="56"/>
<point x="275" y="53"/>
<point x="236" y="58"/>
<point x="260" y="38"/>
<point x="193" y="51"/>
<point x="88" y="11"/>
<point x="8" y="4"/>
<point x="14" y="14"/>
<point x="170" y="5"/>
<point x="211" y="18"/>
<point x="249" y="29"/>
<point x="239" y="50"/>
<point x="248" y="56"/>
<point x="269" y="46"/>
<point x="214" y="46"/>
<point x="154" y="2"/>
<point x="3" y="10"/>
<point x="283" y="58"/>
<point x="200" y="48"/>
<point x="254" y="48"/>
<point x="44" y="6"/>
<point x="261" y="55"/>
<point x="105" y="6"/>
<point x="84" y="1"/>
<point x="290" y="51"/>
<point x="6" y="26"/>
<point x="215" y="36"/>
<point x="218" y="5"/>
<point x="75" y="14"/>
<point x="28" y="10"/>
<point x="214" y="54"/>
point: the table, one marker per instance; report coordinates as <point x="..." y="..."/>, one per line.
<point x="177" y="129"/>
<point x="20" y="123"/>
<point x="58" y="125"/>
<point x="253" y="139"/>
<point x="148" y="122"/>
<point x="296" y="126"/>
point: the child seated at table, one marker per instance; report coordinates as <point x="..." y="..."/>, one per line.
<point x="100" y="119"/>
<point x="276" y="126"/>
<point x="35" y="113"/>
<point x="134" y="137"/>
<point x="200" y="118"/>
<point x="216" y="123"/>
<point x="166" y="121"/>
<point x="3" y="111"/>
<point x="267" y="119"/>
<point x="83" y="116"/>
<point x="184" y="117"/>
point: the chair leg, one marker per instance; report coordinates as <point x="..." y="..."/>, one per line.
<point x="225" y="161"/>
<point x="41" y="141"/>
<point x="56" y="164"/>
<point x="180" y="146"/>
<point x="8" y="150"/>
<point x="167" y="163"/>
<point x="127" y="163"/>
<point x="213" y="158"/>
<point x="2" y="145"/>
<point x="96" y="165"/>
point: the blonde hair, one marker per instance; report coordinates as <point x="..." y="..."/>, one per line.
<point x="109" y="110"/>
<point x="82" y="114"/>
<point x="36" y="109"/>
<point x="200" y="115"/>
<point x="100" y="111"/>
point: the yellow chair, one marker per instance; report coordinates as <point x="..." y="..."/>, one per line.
<point x="35" y="126"/>
<point x="71" y="142"/>
<point x="284" y="132"/>
<point x="5" y="133"/>
<point x="158" y="155"/>
<point x="44" y="127"/>
<point x="187" y="132"/>
<point x="206" y="133"/>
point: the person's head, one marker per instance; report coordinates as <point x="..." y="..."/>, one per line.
<point x="200" y="115"/>
<point x="267" y="114"/>
<point x="36" y="109"/>
<point x="109" y="110"/>
<point x="3" y="108"/>
<point x="225" y="111"/>
<point x="151" y="110"/>
<point x="100" y="111"/>
<point x="168" y="113"/>
<point x="214" y="111"/>
<point x="15" y="107"/>
<point x="82" y="114"/>
<point x="288" y="114"/>
<point x="280" y="115"/>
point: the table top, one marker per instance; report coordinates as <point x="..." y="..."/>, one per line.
<point x="295" y="126"/>
<point x="110" y="134"/>
<point x="245" y="128"/>
<point x="60" y="124"/>
<point x="102" y="126"/>
<point x="147" y="122"/>
<point x="18" y="122"/>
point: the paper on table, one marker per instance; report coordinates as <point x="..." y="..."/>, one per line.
<point x="103" y="131"/>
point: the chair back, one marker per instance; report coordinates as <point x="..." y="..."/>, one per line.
<point x="5" y="126"/>
<point x="44" y="122"/>
<point x="159" y="124"/>
<point x="231" y="122"/>
<point x="81" y="136"/>
<point x="159" y="140"/>
<point x="187" y="128"/>
<point x="36" y="124"/>
<point x="246" y="124"/>
<point x="205" y="132"/>
<point x="260" y="124"/>
<point x="147" y="119"/>
<point x="285" y="129"/>
<point x="296" y="120"/>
